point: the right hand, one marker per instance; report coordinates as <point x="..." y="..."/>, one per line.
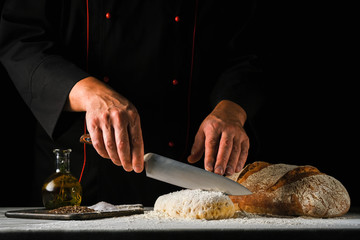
<point x="112" y="121"/>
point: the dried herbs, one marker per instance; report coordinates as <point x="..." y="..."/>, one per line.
<point x="71" y="209"/>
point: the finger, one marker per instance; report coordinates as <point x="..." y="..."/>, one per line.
<point x="97" y="138"/>
<point x="123" y="146"/>
<point x="245" y="145"/>
<point x="211" y="147"/>
<point x="110" y="145"/>
<point x="98" y="142"/>
<point x="137" y="147"/>
<point x="225" y="147"/>
<point x="119" y="121"/>
<point x="198" y="147"/>
<point x="234" y="157"/>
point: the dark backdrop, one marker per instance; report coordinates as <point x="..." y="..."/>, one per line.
<point x="309" y="116"/>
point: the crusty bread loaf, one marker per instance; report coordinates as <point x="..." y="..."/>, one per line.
<point x="282" y="189"/>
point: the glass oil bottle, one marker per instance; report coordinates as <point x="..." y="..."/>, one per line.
<point x="61" y="188"/>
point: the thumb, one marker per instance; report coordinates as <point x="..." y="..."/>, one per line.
<point x="198" y="147"/>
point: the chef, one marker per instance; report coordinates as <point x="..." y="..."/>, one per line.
<point x="171" y="77"/>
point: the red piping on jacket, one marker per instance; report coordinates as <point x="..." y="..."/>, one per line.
<point x="87" y="68"/>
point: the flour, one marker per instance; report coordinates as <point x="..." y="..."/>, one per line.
<point x="104" y="207"/>
<point x="107" y="207"/>
<point x="154" y="221"/>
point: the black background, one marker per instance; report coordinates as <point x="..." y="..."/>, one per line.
<point x="309" y="116"/>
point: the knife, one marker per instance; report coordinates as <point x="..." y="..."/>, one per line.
<point x="185" y="175"/>
<point x="188" y="176"/>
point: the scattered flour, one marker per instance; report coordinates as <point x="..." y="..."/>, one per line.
<point x="104" y="207"/>
<point x="153" y="220"/>
<point x="108" y="207"/>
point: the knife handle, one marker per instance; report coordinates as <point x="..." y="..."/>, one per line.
<point x="85" y="138"/>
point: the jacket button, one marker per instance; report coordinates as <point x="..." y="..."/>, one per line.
<point x="108" y="15"/>
<point x="106" y="79"/>
<point x="175" y="82"/>
<point x="177" y="19"/>
<point x="171" y="144"/>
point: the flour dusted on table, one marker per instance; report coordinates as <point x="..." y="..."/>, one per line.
<point x="195" y="204"/>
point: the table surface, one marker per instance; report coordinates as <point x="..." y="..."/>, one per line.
<point x="155" y="226"/>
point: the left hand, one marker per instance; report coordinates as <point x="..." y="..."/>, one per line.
<point x="223" y="139"/>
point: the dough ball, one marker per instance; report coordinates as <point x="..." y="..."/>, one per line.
<point x="195" y="204"/>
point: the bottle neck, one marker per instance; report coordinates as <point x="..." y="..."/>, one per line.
<point x="62" y="160"/>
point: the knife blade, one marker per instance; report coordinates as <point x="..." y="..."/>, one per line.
<point x="188" y="176"/>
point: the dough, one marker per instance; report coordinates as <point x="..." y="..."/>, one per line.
<point x="195" y="204"/>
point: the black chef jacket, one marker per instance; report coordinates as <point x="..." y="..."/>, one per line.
<point x="174" y="60"/>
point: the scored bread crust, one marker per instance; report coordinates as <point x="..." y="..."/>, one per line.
<point x="283" y="189"/>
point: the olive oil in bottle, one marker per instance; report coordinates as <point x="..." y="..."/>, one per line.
<point x="61" y="188"/>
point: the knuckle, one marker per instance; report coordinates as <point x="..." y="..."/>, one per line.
<point x="245" y="144"/>
<point x="135" y="140"/>
<point x="92" y="123"/>
<point x="132" y="111"/>
<point x="104" y="117"/>
<point x="227" y="142"/>
<point x="245" y="151"/>
<point x="236" y="148"/>
<point x="114" y="113"/>
<point x="121" y="116"/>
<point x="123" y="144"/>
<point x="245" y="137"/>
<point x="215" y="125"/>
<point x="212" y="125"/>
<point x="242" y="131"/>
<point x="96" y="144"/>
<point x="230" y="128"/>
<point x="212" y="142"/>
<point x="110" y="144"/>
<point x="133" y="122"/>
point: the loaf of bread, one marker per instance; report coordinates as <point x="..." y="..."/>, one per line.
<point x="282" y="189"/>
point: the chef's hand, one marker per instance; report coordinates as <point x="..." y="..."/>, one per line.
<point x="112" y="121"/>
<point x="223" y="139"/>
